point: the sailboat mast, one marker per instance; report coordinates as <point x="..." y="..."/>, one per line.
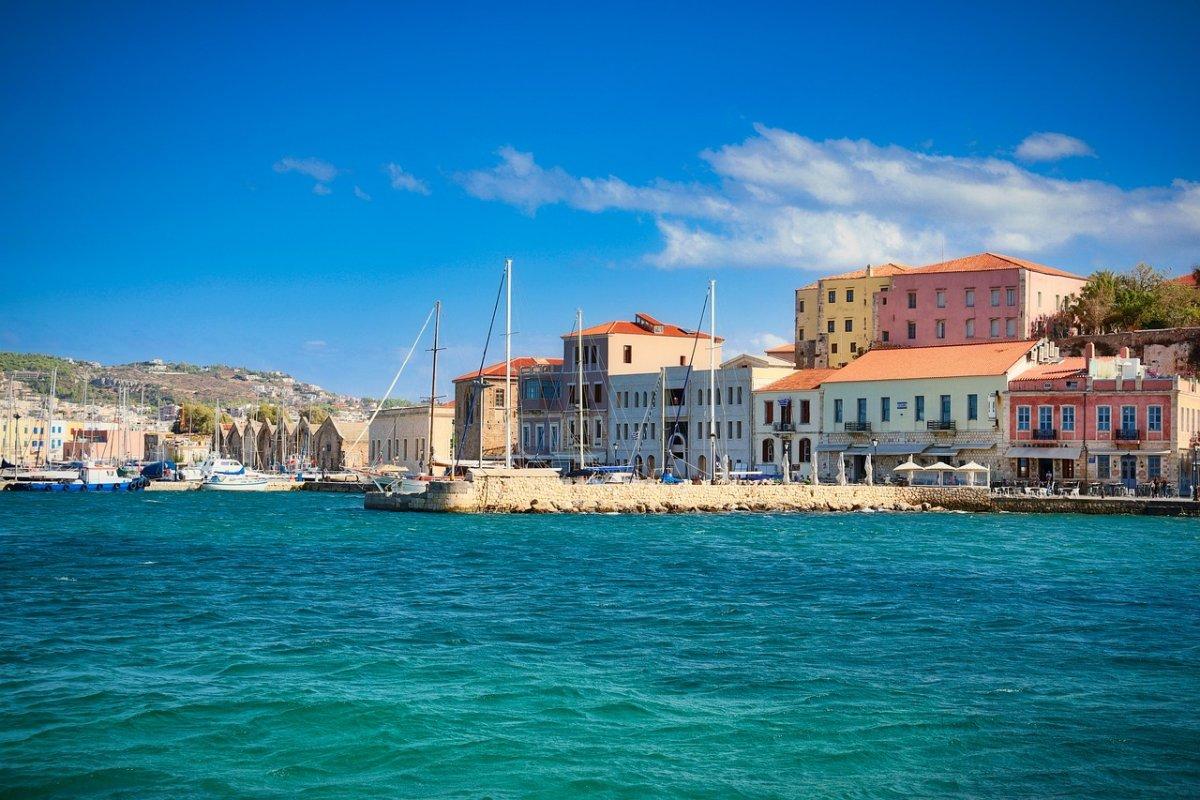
<point x="508" y="432"/>
<point x="579" y="367"/>
<point x="45" y="451"/>
<point x="217" y="430"/>
<point x="437" y="323"/>
<point x="712" y="381"/>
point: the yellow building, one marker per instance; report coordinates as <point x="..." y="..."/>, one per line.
<point x="835" y="316"/>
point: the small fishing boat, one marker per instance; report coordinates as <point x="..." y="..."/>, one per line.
<point x="229" y="475"/>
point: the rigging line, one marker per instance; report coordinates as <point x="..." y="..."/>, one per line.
<point x="687" y="376"/>
<point x="479" y="376"/>
<point x="387" y="394"/>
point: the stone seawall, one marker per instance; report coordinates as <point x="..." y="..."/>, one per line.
<point x="511" y="494"/>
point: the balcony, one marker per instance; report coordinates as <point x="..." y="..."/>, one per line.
<point x="1127" y="434"/>
<point x="1044" y="434"/>
<point x="941" y="425"/>
<point x="856" y="427"/>
<point x="782" y="427"/>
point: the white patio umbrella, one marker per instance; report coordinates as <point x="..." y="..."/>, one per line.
<point x="841" y="468"/>
<point x="973" y="469"/>
<point x="815" y="468"/>
<point x="941" y="468"/>
<point x="869" y="470"/>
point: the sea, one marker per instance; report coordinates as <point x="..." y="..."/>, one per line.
<point x="194" y="645"/>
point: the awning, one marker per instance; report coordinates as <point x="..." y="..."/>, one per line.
<point x="899" y="448"/>
<point x="1096" y="451"/>
<point x="942" y="451"/>
<point x="832" y="448"/>
<point x="1071" y="453"/>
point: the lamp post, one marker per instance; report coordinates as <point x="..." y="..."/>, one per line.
<point x="874" y="457"/>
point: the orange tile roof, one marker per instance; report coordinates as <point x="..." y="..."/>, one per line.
<point x="1186" y="280"/>
<point x="1067" y="368"/>
<point x="799" y="381"/>
<point x="625" y="327"/>
<point x="786" y="348"/>
<point x="518" y="363"/>
<point x="983" y="262"/>
<point x="942" y="361"/>
<point x="877" y="271"/>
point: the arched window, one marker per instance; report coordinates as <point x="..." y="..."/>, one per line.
<point x="768" y="451"/>
<point x="805" y="449"/>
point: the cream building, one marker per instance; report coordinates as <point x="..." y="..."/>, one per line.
<point x="399" y="437"/>
<point x="928" y="403"/>
<point x="340" y="445"/>
<point x="787" y="423"/>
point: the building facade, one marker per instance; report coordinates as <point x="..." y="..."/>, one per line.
<point x="482" y="405"/>
<point x="673" y="421"/>
<point x="1106" y="420"/>
<point x="340" y="445"/>
<point x="928" y="403"/>
<point x="787" y="424"/>
<point x="399" y="437"/>
<point x="835" y="317"/>
<point x="560" y="417"/>
<point x="979" y="298"/>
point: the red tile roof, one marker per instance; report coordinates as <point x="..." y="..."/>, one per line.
<point x="1186" y="280"/>
<point x="983" y="262"/>
<point x="625" y="327"/>
<point x="1067" y="368"/>
<point x="877" y="271"/>
<point x="786" y="348"/>
<point x="799" y="381"/>
<point x="943" y="361"/>
<point x="518" y="363"/>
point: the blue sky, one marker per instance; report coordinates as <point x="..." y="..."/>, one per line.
<point x="291" y="186"/>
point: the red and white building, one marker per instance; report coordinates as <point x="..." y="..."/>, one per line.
<point x="1106" y="420"/>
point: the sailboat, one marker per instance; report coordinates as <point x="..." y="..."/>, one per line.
<point x="227" y="474"/>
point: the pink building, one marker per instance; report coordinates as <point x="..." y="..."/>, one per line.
<point x="984" y="297"/>
<point x="1101" y="420"/>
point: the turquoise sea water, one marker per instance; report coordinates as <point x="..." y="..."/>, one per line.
<point x="280" y="646"/>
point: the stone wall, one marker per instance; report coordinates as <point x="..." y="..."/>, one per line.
<point x="499" y="493"/>
<point x="1170" y="351"/>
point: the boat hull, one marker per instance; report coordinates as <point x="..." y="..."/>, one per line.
<point x="250" y="485"/>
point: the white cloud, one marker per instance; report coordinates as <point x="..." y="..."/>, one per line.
<point x="404" y="181"/>
<point x="782" y="199"/>
<point x="320" y="171"/>
<point x="361" y="195"/>
<point x="1052" y="147"/>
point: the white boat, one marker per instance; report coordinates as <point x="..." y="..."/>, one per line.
<point x="229" y="475"/>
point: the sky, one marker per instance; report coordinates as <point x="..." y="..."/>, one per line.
<point x="291" y="186"/>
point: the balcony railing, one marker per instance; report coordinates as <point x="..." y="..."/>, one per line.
<point x="1045" y="434"/>
<point x="857" y="427"/>
<point x="1127" y="434"/>
<point x="780" y="427"/>
<point x="941" y="425"/>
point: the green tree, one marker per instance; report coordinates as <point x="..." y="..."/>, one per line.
<point x="315" y="414"/>
<point x="267" y="413"/>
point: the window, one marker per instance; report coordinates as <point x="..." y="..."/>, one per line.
<point x="912" y="330"/>
<point x="849" y="295"/>
<point x="862" y="409"/>
<point x="994" y="328"/>
<point x="995" y="298"/>
<point x="768" y="451"/>
<point x="832" y="296"/>
<point x="683" y="361"/>
<point x="830" y="326"/>
<point x="1067" y="415"/>
<point x="805" y="412"/>
<point x="729" y="432"/>
<point x="768" y="412"/>
<point x="1010" y="326"/>
<point x="1154" y="419"/>
<point x="1153" y="467"/>
<point x="912" y="299"/>
<point x="598" y="394"/>
<point x="945" y="403"/>
<point x="849" y="326"/>
<point x="941" y="298"/>
<point x="970" y="298"/>
<point x="854" y="347"/>
<point x="729" y="391"/>
<point x="1104" y="418"/>
<point x="800" y="307"/>
<point x="799" y="337"/>
<point x="886" y="337"/>
<point x="919" y="407"/>
<point x="739" y="429"/>
<point x="498" y="398"/>
<point x="1102" y="467"/>
<point x="1039" y="299"/>
<point x="599" y="433"/>
<point x="970" y="329"/>
<point x="627" y="354"/>
<point x="833" y="348"/>
<point x="837" y="410"/>
<point x="972" y="406"/>
<point x="885" y="409"/>
<point x="1128" y="418"/>
<point x="1010" y="297"/>
<point x="1022" y="418"/>
<point x="939" y="329"/>
<point x="1045" y="418"/>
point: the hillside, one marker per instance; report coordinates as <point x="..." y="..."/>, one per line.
<point x="164" y="382"/>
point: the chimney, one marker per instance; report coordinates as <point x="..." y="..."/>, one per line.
<point x="870" y="271"/>
<point x="1124" y="352"/>
<point x="1089" y="352"/>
